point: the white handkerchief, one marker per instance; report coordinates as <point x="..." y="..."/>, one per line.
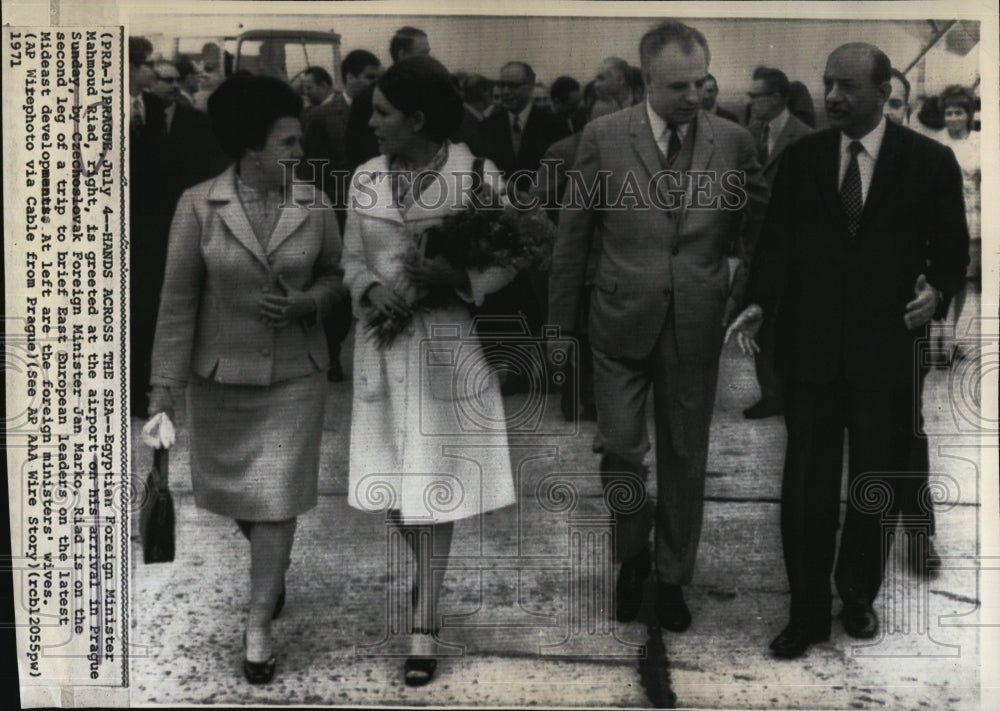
<point x="159" y="432"/>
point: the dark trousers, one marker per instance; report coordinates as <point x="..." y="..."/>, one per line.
<point x="578" y="390"/>
<point x="919" y="512"/>
<point x="683" y="399"/>
<point x="507" y="318"/>
<point x="764" y="363"/>
<point x="879" y="424"/>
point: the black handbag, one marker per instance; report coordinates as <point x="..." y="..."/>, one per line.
<point x="156" y="521"/>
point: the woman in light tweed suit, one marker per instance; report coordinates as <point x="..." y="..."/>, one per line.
<point x="251" y="269"/>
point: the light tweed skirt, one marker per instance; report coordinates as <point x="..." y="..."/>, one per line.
<point x="255" y="450"/>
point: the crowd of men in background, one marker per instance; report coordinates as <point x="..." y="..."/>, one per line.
<point x="515" y="121"/>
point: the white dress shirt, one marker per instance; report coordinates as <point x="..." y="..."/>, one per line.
<point x="871" y="144"/>
<point x="522" y="117"/>
<point x="774" y="128"/>
<point x="661" y="132"/>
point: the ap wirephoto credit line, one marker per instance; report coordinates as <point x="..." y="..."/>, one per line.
<point x="584" y="356"/>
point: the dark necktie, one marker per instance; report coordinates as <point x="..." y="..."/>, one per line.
<point x="516" y="134"/>
<point x="765" y="136"/>
<point x="850" y="191"/>
<point x="674" y="144"/>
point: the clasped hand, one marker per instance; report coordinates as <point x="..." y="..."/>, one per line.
<point x="279" y="310"/>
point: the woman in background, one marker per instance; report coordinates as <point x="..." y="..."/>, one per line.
<point x="957" y="105"/>
<point x="249" y="275"/>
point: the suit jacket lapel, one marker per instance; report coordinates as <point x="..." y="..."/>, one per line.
<point x="704" y="142"/>
<point x="531" y="134"/>
<point x="223" y="192"/>
<point x="292" y="216"/>
<point x="887" y="168"/>
<point x="788" y="133"/>
<point x="644" y="144"/>
<point x="827" y="175"/>
<point x="701" y="155"/>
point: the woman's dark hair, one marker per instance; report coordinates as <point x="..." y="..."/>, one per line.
<point x="423" y="84"/>
<point x="931" y="114"/>
<point x="961" y="97"/>
<point x="244" y="109"/>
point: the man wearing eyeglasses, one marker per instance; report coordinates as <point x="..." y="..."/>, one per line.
<point x="167" y="87"/>
<point x="773" y="129"/>
<point x="173" y="149"/>
<point x="515" y="139"/>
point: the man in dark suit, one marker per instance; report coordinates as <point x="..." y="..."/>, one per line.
<point x="172" y="148"/>
<point x="709" y="103"/>
<point x="147" y="129"/>
<point x="190" y="80"/>
<point x="359" y="137"/>
<point x="566" y="103"/>
<point x="864" y="242"/>
<point x="661" y="294"/>
<point x="515" y="139"/>
<point x="475" y="90"/>
<point x="773" y="129"/>
<point x="325" y="162"/>
<point x="324" y="120"/>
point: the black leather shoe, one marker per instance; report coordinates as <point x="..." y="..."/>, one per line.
<point x="795" y="639"/>
<point x="764" y="408"/>
<point x="860" y="620"/>
<point x="628" y="590"/>
<point x="258" y="672"/>
<point x="930" y="564"/>
<point x="671" y="608"/>
<point x="514" y="384"/>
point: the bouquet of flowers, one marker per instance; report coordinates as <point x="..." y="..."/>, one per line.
<point x="475" y="238"/>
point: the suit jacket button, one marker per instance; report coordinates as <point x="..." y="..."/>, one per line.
<point x="675" y="251"/>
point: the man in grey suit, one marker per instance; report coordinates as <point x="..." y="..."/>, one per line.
<point x="773" y="128"/>
<point x="664" y="188"/>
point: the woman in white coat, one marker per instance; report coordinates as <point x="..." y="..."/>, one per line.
<point x="428" y="435"/>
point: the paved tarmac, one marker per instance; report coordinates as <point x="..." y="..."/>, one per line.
<point x="525" y="621"/>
